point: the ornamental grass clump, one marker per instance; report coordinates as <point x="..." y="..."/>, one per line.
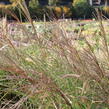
<point x="56" y="70"/>
<point x="24" y="80"/>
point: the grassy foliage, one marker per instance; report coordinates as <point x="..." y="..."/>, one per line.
<point x="63" y="67"/>
<point x="86" y="9"/>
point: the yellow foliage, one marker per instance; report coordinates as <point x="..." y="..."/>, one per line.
<point x="62" y="9"/>
<point x="66" y="9"/>
<point x="58" y="9"/>
<point x="106" y="9"/>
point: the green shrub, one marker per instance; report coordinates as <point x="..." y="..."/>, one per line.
<point x="82" y="9"/>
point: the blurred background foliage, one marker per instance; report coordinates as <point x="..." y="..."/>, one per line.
<point x="61" y="9"/>
<point x="82" y="9"/>
<point x="57" y="9"/>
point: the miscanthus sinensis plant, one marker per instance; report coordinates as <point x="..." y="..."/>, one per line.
<point x="59" y="69"/>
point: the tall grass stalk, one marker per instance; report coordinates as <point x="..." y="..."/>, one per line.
<point x="54" y="72"/>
